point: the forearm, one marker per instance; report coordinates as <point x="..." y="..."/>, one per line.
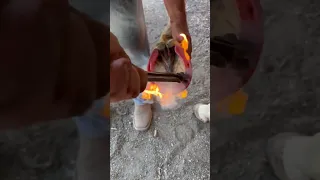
<point x="176" y="10"/>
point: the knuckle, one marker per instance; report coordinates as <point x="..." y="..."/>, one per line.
<point x="135" y="94"/>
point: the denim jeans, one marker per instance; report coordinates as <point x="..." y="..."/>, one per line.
<point x="139" y="101"/>
<point x="93" y="124"/>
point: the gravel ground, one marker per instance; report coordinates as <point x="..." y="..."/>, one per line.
<point x="283" y="96"/>
<point x="181" y="148"/>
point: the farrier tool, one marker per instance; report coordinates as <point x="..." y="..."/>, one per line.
<point x="167" y="77"/>
<point x="228" y="49"/>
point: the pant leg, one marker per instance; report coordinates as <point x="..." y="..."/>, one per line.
<point x="93" y="124"/>
<point x="94" y="152"/>
<point x="127" y="23"/>
<point x="139" y="101"/>
<point x="96" y="9"/>
<point x="301" y="158"/>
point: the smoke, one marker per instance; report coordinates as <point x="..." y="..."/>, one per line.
<point x="170" y="99"/>
<point x="169" y="104"/>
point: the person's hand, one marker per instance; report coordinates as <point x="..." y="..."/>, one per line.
<point x="178" y="28"/>
<point x="126" y="80"/>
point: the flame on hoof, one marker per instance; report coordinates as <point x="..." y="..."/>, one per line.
<point x="185" y="46"/>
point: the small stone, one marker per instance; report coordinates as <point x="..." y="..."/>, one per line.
<point x="155" y="133"/>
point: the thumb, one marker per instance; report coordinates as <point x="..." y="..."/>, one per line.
<point x="119" y="75"/>
<point x="179" y="38"/>
<point x="143" y="75"/>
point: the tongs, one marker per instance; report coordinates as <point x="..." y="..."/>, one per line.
<point x="225" y="45"/>
<point x="228" y="49"/>
<point x="167" y="77"/>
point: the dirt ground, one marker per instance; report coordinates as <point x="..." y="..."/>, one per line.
<point x="283" y="96"/>
<point x="181" y="149"/>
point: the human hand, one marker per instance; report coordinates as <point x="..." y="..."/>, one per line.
<point x="126" y="80"/>
<point x="178" y="28"/>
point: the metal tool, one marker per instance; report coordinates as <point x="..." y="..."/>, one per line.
<point x="229" y="44"/>
<point x="229" y="50"/>
<point x="167" y="77"/>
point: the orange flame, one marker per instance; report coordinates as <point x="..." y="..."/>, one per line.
<point x="185" y="46"/>
<point x="234" y="104"/>
<point x="153" y="90"/>
<point x="183" y="94"/>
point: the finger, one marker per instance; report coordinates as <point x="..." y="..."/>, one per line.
<point x="134" y="83"/>
<point x="143" y="75"/>
<point x="189" y="50"/>
<point x="120" y="96"/>
<point x="119" y="77"/>
<point x="128" y="80"/>
<point x="179" y="38"/>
